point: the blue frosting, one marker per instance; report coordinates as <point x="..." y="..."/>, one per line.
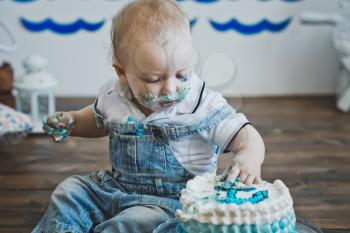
<point x="232" y="187"/>
<point x="139" y="126"/>
<point x="60" y="132"/>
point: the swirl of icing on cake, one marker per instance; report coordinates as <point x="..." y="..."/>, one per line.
<point x="207" y="199"/>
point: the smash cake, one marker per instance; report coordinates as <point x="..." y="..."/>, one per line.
<point x="211" y="204"/>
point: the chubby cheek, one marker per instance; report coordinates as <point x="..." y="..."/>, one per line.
<point x="154" y="89"/>
<point x="135" y="85"/>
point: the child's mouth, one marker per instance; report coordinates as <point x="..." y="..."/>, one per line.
<point x="167" y="103"/>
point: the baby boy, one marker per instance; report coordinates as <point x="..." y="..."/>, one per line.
<point x="164" y="127"/>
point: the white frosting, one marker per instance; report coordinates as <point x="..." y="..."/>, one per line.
<point x="278" y="204"/>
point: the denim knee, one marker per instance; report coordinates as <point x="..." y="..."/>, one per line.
<point x="69" y="194"/>
<point x="136" y="219"/>
<point x="70" y="209"/>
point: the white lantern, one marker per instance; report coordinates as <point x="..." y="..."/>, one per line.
<point x="34" y="91"/>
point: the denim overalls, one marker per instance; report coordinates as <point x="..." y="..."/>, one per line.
<point x="142" y="191"/>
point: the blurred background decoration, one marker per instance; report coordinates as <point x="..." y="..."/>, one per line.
<point x="274" y="53"/>
<point x="13" y="125"/>
<point x="6" y="85"/>
<point x="340" y="21"/>
<point x="12" y="46"/>
<point x="6" y="70"/>
<point x="34" y="91"/>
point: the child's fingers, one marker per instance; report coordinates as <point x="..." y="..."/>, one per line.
<point x="47" y="128"/>
<point x="249" y="181"/>
<point x="64" y="120"/>
<point x="54" y="120"/>
<point x="243" y="176"/>
<point x="257" y="180"/>
<point x="233" y="173"/>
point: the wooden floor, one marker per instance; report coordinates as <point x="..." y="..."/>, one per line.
<point x="308" y="147"/>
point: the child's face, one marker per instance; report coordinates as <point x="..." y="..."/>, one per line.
<point x="158" y="73"/>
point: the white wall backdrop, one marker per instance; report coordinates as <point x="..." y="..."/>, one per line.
<point x="297" y="60"/>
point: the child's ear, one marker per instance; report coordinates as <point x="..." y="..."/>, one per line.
<point x="119" y="68"/>
<point x="120" y="71"/>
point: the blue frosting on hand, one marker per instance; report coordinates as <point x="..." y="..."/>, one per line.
<point x="60" y="132"/>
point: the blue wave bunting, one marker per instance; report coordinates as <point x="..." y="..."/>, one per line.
<point x="69" y="28"/>
<point x="193" y="22"/>
<point x="264" y="25"/>
<point x="23" y="1"/>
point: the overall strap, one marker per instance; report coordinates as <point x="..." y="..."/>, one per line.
<point x="100" y="120"/>
<point x="176" y="132"/>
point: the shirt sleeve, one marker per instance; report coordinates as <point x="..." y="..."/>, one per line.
<point x="226" y="129"/>
<point x="99" y="103"/>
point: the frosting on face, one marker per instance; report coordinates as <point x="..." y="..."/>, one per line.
<point x="162" y="102"/>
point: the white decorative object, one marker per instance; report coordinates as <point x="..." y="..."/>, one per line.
<point x="34" y="91"/>
<point x="8" y="48"/>
<point x="341" y="41"/>
<point x="13" y="126"/>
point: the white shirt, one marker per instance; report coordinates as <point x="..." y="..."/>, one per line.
<point x="197" y="153"/>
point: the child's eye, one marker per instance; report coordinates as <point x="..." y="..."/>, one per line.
<point x="152" y="81"/>
<point x="184" y="75"/>
<point x="149" y="80"/>
<point x="180" y="75"/>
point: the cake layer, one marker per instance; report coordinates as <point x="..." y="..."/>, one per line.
<point x="284" y="225"/>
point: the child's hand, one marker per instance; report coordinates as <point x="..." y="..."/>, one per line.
<point x="58" y="125"/>
<point x="246" y="168"/>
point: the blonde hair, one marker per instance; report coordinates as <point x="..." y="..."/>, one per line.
<point x="153" y="17"/>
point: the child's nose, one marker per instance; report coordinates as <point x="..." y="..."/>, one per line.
<point x="169" y="86"/>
